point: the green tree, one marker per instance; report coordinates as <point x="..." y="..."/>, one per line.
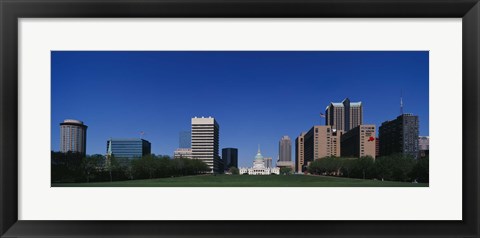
<point x="112" y="165"/>
<point x="402" y="168"/>
<point x="234" y="170"/>
<point x="314" y="167"/>
<point x="285" y="170"/>
<point x="420" y="170"/>
<point x="90" y="165"/>
<point x="395" y="167"/>
<point x="364" y="167"/>
<point x="346" y="166"/>
<point x="384" y="166"/>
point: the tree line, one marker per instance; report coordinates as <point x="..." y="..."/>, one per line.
<point x="75" y="167"/>
<point x="395" y="167"/>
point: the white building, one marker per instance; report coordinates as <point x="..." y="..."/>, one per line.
<point x="182" y="153"/>
<point x="259" y="167"/>
<point x="205" y="142"/>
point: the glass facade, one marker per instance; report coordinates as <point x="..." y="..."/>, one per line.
<point x="128" y="148"/>
<point x="185" y="139"/>
<point x="230" y="158"/>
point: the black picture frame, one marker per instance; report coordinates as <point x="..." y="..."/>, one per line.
<point x="12" y="10"/>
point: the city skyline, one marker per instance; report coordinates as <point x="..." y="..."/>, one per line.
<point x="131" y="92"/>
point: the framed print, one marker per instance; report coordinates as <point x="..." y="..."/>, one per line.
<point x="275" y="118"/>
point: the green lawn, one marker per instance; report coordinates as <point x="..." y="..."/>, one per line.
<point x="246" y="181"/>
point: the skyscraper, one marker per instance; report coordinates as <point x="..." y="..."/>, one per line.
<point x="128" y="148"/>
<point x="73" y="136"/>
<point x="345" y="115"/>
<point x="285" y="153"/>
<point x="400" y="136"/>
<point x="268" y="162"/>
<point x="359" y="142"/>
<point x="335" y="116"/>
<point x="319" y="142"/>
<point x="230" y="158"/>
<point x="299" y="152"/>
<point x="285" y="149"/>
<point x="205" y="142"/>
<point x="185" y="139"/>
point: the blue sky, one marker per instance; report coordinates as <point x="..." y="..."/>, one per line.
<point x="256" y="96"/>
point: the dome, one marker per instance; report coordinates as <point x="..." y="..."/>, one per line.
<point x="259" y="156"/>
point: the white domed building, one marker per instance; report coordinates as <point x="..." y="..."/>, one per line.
<point x="259" y="167"/>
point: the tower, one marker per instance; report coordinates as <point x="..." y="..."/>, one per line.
<point x="285" y="149"/>
<point x="73" y="136"/>
<point x="205" y="142"/>
<point x="400" y="136"/>
<point x="345" y="115"/>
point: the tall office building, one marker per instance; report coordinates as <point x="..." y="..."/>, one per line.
<point x="230" y="158"/>
<point x="335" y="116"/>
<point x="205" y="142"/>
<point x="345" y="115"/>
<point x="268" y="162"/>
<point x="73" y="136"/>
<point x="320" y="142"/>
<point x="128" y="148"/>
<point x="359" y="142"/>
<point x="299" y="152"/>
<point x="285" y="149"/>
<point x="400" y="136"/>
<point x="285" y="153"/>
<point x="185" y="139"/>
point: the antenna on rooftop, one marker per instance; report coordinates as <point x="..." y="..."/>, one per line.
<point x="401" y="102"/>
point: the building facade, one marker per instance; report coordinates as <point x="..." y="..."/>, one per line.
<point x="345" y="115"/>
<point x="268" y="162"/>
<point x="285" y="149"/>
<point x="335" y="116"/>
<point x="230" y="158"/>
<point x="377" y="147"/>
<point x="400" y="136"/>
<point x="128" y="148"/>
<point x="205" y="142"/>
<point x="285" y="153"/>
<point x="423" y="146"/>
<point x="182" y="153"/>
<point x="359" y="142"/>
<point x="259" y="167"/>
<point x="73" y="136"/>
<point x="335" y="140"/>
<point x="185" y="139"/>
<point x="299" y="153"/>
<point x="318" y="143"/>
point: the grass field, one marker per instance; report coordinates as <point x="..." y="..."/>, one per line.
<point x="246" y="181"/>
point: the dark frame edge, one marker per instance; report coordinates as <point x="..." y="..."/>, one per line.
<point x="8" y="120"/>
<point x="471" y="101"/>
<point x="11" y="227"/>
